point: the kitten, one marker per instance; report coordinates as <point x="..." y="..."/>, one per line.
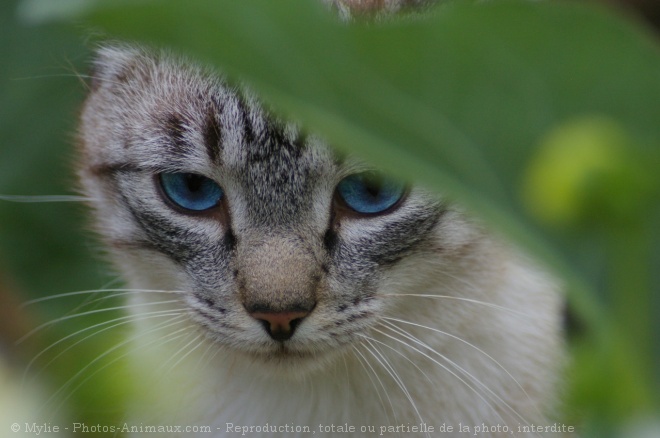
<point x="301" y="288"/>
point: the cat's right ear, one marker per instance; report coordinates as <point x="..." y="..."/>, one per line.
<point x="111" y="64"/>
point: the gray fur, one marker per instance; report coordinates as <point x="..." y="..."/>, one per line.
<point x="280" y="241"/>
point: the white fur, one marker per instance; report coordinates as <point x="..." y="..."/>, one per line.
<point x="490" y="356"/>
<point x="516" y="347"/>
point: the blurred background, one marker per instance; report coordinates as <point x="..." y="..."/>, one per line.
<point x="46" y="248"/>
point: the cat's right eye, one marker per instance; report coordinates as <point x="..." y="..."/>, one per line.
<point x="190" y="191"/>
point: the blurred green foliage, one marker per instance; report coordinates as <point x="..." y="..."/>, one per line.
<point x="46" y="248"/>
<point x="543" y="118"/>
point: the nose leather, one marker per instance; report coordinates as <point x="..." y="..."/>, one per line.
<point x="280" y="325"/>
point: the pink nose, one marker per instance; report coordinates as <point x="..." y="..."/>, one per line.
<point x="280" y="325"/>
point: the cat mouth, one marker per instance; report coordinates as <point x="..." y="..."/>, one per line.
<point x="292" y="351"/>
<point x="288" y="362"/>
<point x="284" y="358"/>
<point x="285" y="350"/>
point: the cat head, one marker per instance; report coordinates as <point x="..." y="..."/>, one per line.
<point x="281" y="248"/>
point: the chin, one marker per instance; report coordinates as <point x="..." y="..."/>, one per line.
<point x="290" y="363"/>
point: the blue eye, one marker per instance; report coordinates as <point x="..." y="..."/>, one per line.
<point x="191" y="191"/>
<point x="370" y="192"/>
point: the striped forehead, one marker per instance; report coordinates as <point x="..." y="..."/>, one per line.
<point x="175" y="118"/>
<point x="275" y="165"/>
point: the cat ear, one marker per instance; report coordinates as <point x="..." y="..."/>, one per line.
<point x="112" y="64"/>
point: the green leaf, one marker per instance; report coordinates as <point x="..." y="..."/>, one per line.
<point x="460" y="100"/>
<point x="457" y="100"/>
<point x="462" y="95"/>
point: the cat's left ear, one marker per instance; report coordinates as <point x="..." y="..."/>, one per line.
<point x="112" y="64"/>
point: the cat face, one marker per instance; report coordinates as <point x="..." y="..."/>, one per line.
<point x="281" y="248"/>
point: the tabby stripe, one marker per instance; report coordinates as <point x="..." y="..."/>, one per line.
<point x="175" y="130"/>
<point x="213" y="134"/>
<point x="248" y="130"/>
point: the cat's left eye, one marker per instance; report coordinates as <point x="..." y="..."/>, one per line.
<point x="190" y="191"/>
<point x="370" y="192"/>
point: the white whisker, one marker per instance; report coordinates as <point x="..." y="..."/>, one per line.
<point x="65" y="75"/>
<point x="97" y="291"/>
<point x="491" y="358"/>
<point x="173" y="321"/>
<point x="204" y="358"/>
<point x="45" y="198"/>
<point x="90" y="312"/>
<point x="124" y="320"/>
<point x="490" y="393"/>
<point x="460" y="379"/>
<point x="400" y="354"/>
<point x="469" y="286"/>
<point x="395" y="376"/>
<point x="362" y="359"/>
<point x="190" y="351"/>
<point x="467" y="300"/>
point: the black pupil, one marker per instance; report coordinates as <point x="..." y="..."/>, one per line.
<point x="373" y="183"/>
<point x="194" y="182"/>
